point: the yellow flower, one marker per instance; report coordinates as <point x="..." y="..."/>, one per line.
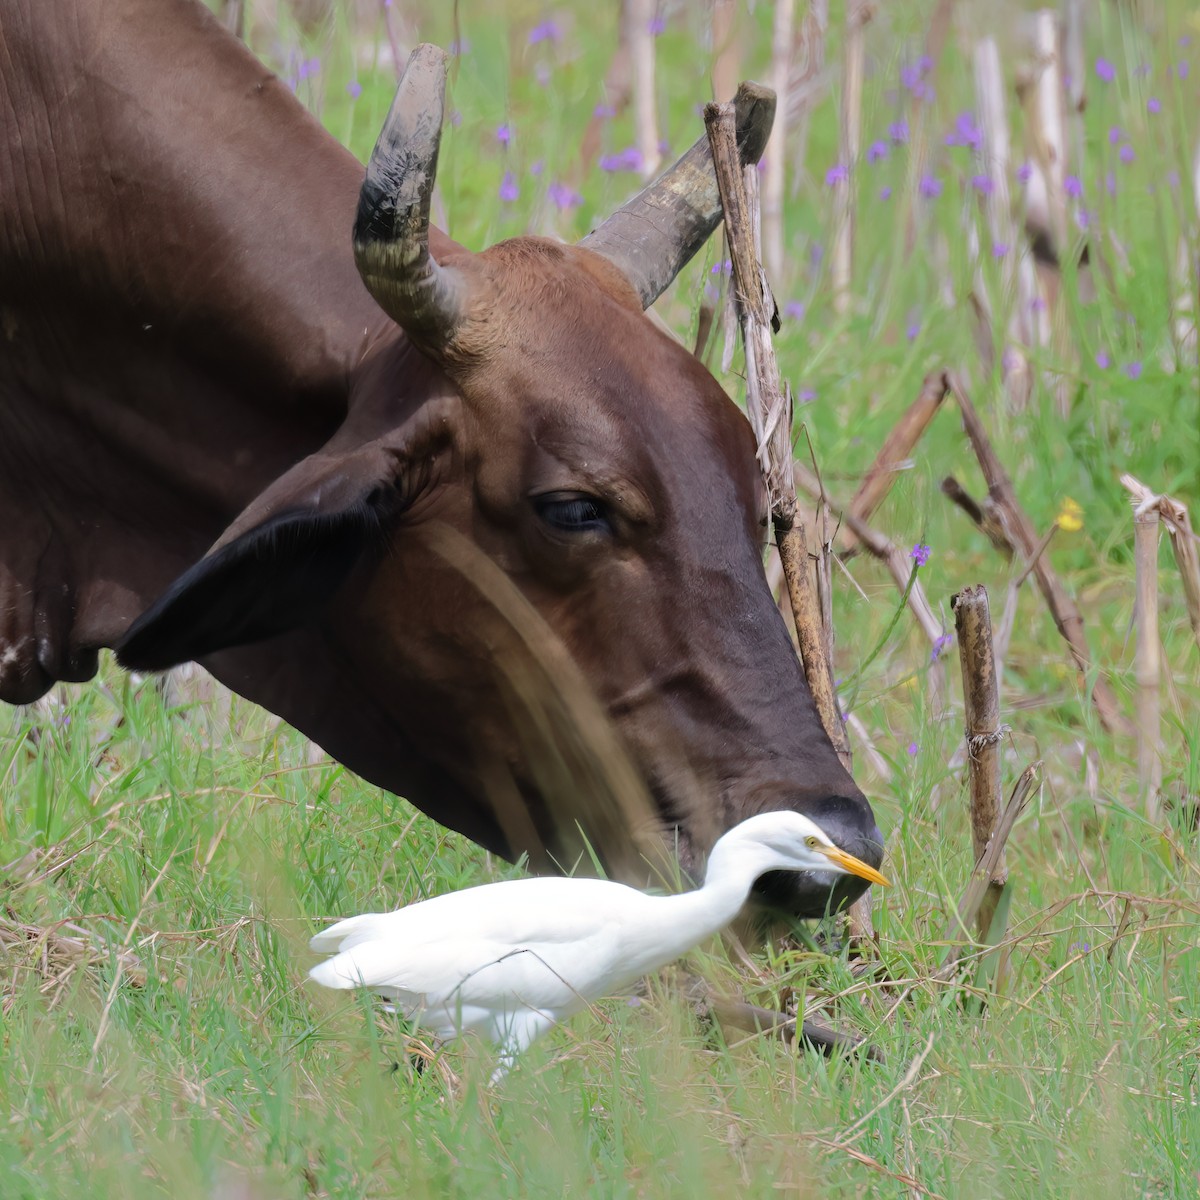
<point x="1070" y="516"/>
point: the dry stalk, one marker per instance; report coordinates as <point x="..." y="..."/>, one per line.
<point x="980" y="883"/>
<point x="893" y="454"/>
<point x="1148" y="662"/>
<point x="981" y="704"/>
<point x="984" y="515"/>
<point x="1183" y="543"/>
<point x="776" y="155"/>
<point x="1017" y="275"/>
<point x="640" y="14"/>
<point x="858" y="13"/>
<point x="807" y="78"/>
<point x="769" y="408"/>
<point x="1021" y="534"/>
<point x="618" y="87"/>
<point x="727" y="49"/>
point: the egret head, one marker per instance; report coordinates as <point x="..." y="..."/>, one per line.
<point x="786" y="841"/>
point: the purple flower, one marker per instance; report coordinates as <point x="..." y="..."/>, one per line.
<point x="940" y="644"/>
<point x="309" y="67"/>
<point x="794" y="309"/>
<point x="459" y="46"/>
<point x="914" y="328"/>
<point x="930" y="187"/>
<point x="1073" y="187"/>
<point x="1114" y="135"/>
<point x="1172" y="179"/>
<point x="354" y="89"/>
<point x="1126" y="154"/>
<point x="563" y="197"/>
<point x="967" y="132"/>
<point x="1110" y="183"/>
<point x="898" y="131"/>
<point x="999" y="249"/>
<point x="983" y="183"/>
<point x="836" y="174"/>
<point x="657" y="25"/>
<point x="722" y="268"/>
<point x="504" y="134"/>
<point x="885" y="193"/>
<point x="1024" y="172"/>
<point x="1102" y="360"/>
<point x="1153" y="105"/>
<point x="1133" y="369"/>
<point x="456" y="118"/>
<point x="919" y="554"/>
<point x="603" y="111"/>
<point x="630" y="159"/>
<point x="805" y="396"/>
<point x="539" y="165"/>
<point x="509" y="190"/>
<point x="912" y="749"/>
<point x="877" y="151"/>
<point x="547" y="31"/>
<point x="1182" y="70"/>
<point x="1105" y="70"/>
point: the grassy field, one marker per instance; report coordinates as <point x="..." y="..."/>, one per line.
<point x="162" y="869"/>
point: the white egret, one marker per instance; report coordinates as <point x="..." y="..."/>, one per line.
<point x="509" y="960"/>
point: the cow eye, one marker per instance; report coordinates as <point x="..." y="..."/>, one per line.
<point x="574" y="513"/>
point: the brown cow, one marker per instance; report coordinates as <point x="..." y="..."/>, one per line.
<point x="440" y="501"/>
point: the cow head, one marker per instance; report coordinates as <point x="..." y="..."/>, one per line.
<point x="541" y="512"/>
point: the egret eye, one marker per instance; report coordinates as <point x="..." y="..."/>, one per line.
<point x="812" y="841"/>
<point x="569" y="513"/>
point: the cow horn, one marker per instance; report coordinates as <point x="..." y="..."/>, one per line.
<point x="391" y="229"/>
<point x="653" y="236"/>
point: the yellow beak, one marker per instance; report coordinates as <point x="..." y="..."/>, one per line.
<point x="855" y="866"/>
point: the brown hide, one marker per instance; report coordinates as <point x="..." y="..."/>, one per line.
<point x="445" y="574"/>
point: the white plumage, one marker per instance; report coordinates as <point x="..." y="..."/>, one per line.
<point x="509" y="960"/>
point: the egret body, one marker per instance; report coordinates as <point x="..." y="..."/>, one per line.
<point x="509" y="960"/>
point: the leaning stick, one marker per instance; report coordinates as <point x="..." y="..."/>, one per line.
<point x="977" y="888"/>
<point x="894" y="452"/>
<point x="1021" y="533"/>
<point x="769" y="408"/>
<point x="1149" y="665"/>
<point x="981" y="703"/>
<point x="1183" y="543"/>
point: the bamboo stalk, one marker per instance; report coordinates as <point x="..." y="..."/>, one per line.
<point x="645" y="114"/>
<point x="776" y="155"/>
<point x="1149" y="666"/>
<point x="981" y="702"/>
<point x="894" y="452"/>
<point x="1021" y="532"/>
<point x="858" y="13"/>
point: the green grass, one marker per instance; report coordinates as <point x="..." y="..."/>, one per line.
<point x="175" y="1049"/>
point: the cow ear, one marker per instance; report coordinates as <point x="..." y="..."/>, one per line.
<point x="276" y="566"/>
